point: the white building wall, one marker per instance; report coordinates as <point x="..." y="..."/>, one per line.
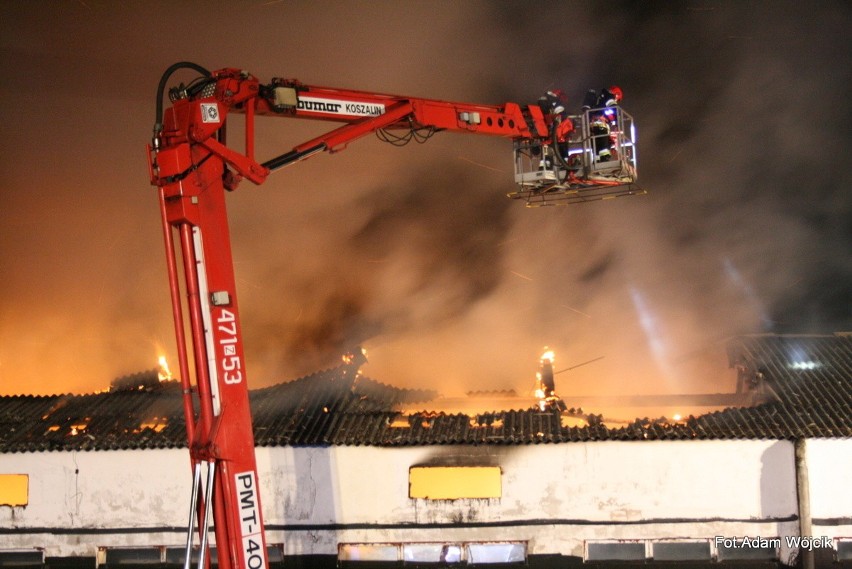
<point x="554" y="496"/>
<point x="597" y="490"/>
<point x="74" y="497"/>
<point x="830" y="477"/>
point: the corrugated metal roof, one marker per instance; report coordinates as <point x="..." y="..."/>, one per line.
<point x="808" y="380"/>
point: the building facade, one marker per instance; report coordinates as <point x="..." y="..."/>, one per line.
<point x="345" y="479"/>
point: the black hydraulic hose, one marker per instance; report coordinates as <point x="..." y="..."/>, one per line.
<point x="162" y="87"/>
<point x="556" y="149"/>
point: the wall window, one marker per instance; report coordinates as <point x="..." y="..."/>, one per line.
<point x="756" y="549"/>
<point x="22" y="558"/>
<point x="431" y="552"/>
<point x="441" y="554"/>
<point x="720" y="549"/>
<point x="368" y="552"/>
<point x="167" y="556"/>
<point x="681" y="550"/>
<point x="496" y="553"/>
<point x="615" y="550"/>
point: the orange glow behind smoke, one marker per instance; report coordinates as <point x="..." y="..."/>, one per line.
<point x="453" y="286"/>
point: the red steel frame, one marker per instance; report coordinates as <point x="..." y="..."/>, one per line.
<point x="193" y="167"/>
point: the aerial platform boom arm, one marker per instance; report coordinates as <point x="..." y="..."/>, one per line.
<point x="201" y="109"/>
<point x="557" y="158"/>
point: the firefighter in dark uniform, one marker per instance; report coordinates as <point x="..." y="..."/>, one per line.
<point x="602" y="119"/>
<point x="608" y="97"/>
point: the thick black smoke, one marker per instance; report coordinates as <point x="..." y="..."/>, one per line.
<point x="427" y="249"/>
<point x="446" y="230"/>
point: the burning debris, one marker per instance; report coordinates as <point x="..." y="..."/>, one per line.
<point x="141" y="381"/>
<point x="79" y="426"/>
<point x="353" y="360"/>
<point x="145" y="380"/>
<point x="156" y="424"/>
<point x="356" y="357"/>
<point x="546" y="384"/>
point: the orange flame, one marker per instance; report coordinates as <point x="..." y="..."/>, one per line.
<point x="164" y="373"/>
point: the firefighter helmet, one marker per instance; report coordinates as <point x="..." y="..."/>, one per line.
<point x="617" y="93"/>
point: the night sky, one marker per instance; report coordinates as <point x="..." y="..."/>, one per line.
<point x="743" y="114"/>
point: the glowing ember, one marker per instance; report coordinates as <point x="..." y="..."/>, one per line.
<point x="164" y="373"/>
<point x="78" y="428"/>
<point x="357" y="357"/>
<point x="156" y="424"/>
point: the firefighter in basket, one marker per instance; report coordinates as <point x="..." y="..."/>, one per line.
<point x="603" y="120"/>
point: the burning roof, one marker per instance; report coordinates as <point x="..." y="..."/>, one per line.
<point x="808" y="379"/>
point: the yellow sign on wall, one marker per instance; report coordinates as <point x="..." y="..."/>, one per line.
<point x="14" y="489"/>
<point x="454" y="482"/>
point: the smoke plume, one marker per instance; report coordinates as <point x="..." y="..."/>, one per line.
<point x="415" y="252"/>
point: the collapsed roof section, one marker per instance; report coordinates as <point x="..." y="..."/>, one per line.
<point x="805" y="381"/>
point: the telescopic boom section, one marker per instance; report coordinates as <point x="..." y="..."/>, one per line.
<point x="192" y="165"/>
<point x="362" y="113"/>
<point x="558" y="157"/>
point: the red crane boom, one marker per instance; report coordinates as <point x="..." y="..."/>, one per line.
<point x="192" y="166"/>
